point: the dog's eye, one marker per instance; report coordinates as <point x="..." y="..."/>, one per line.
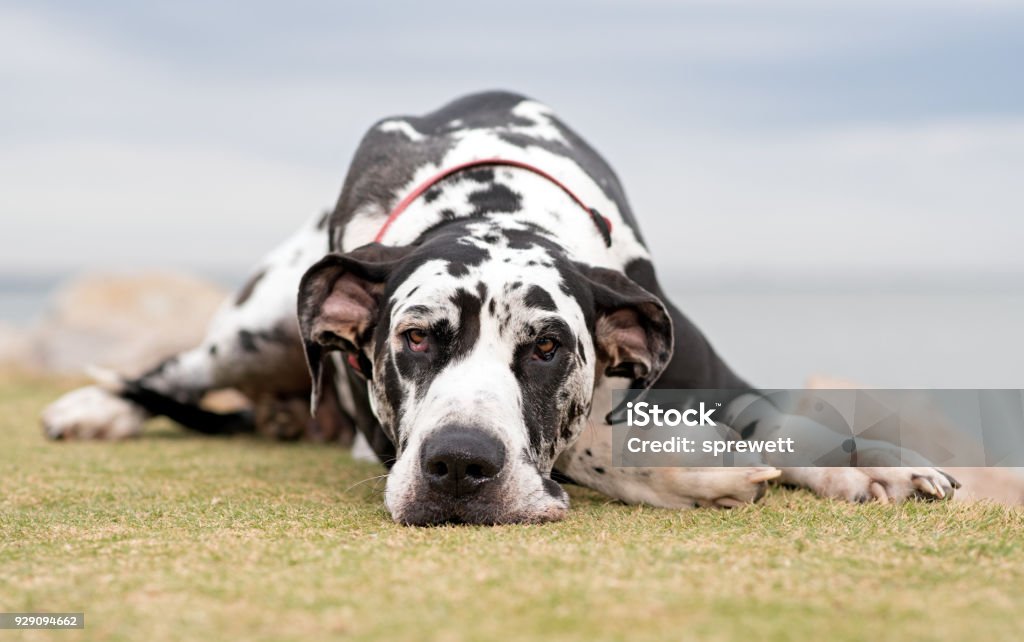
<point x="545" y="348"/>
<point x="417" y="340"/>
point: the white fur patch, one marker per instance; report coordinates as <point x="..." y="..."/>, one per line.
<point x="401" y="127"/>
<point x="540" y="114"/>
<point x="362" y="451"/>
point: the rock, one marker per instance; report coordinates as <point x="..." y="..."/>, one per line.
<point x="15" y="346"/>
<point x="127" y="323"/>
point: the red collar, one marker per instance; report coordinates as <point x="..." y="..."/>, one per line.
<point x="604" y="226"/>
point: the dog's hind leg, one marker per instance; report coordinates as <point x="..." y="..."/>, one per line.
<point x="252" y="346"/>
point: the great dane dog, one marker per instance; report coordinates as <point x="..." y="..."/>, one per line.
<point x="477" y="292"/>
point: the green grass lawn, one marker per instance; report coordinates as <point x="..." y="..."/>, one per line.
<point x="177" y="537"/>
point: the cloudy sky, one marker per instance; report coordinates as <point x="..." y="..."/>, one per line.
<point x="847" y="137"/>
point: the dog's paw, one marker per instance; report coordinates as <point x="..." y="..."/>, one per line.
<point x="92" y="413"/>
<point x="900" y="484"/>
<point x="723" y="487"/>
<point x="875" y="484"/>
<point x="282" y="419"/>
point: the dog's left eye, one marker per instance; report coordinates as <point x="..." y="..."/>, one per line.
<point x="545" y="348"/>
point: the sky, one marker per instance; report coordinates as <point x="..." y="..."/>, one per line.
<point x="793" y="137"/>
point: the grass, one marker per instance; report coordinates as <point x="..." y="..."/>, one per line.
<point x="175" y="537"/>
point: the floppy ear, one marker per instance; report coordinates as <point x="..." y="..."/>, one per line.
<point x="339" y="301"/>
<point x="633" y="329"/>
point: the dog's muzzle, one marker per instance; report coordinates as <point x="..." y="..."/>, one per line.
<point x="464" y="474"/>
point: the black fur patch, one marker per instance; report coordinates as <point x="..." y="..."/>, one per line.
<point x="449" y="342"/>
<point x="748" y="430"/>
<point x="469" y="324"/>
<point x="480" y="174"/>
<point x="247" y="341"/>
<point x="538" y="297"/>
<point x="542" y="384"/>
<point x="495" y="198"/>
<point x="250" y="286"/>
<point x="457" y="269"/>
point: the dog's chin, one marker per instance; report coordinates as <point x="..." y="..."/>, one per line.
<point x="421" y="507"/>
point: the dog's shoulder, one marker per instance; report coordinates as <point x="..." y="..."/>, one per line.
<point x="399" y="151"/>
<point x="396" y="147"/>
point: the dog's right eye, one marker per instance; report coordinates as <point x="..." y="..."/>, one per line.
<point x="416" y="339"/>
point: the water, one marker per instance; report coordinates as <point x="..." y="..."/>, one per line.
<point x="23" y="299"/>
<point x="896" y="340"/>
<point x="942" y="339"/>
<point x="20" y="308"/>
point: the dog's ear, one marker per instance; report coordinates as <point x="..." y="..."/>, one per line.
<point x="632" y="329"/>
<point x="339" y="302"/>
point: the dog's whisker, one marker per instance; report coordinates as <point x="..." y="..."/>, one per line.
<point x="363" y="481"/>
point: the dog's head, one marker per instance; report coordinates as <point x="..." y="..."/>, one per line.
<point x="481" y="349"/>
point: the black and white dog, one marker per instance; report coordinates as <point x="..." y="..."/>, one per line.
<point x="468" y="306"/>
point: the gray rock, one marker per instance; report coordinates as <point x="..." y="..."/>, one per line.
<point x="126" y="323"/>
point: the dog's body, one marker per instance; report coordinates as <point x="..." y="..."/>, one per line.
<point x="495" y="314"/>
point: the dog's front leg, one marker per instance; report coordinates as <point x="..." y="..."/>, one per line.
<point x="589" y="462"/>
<point x="883" y="471"/>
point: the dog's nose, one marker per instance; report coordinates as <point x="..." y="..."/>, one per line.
<point x="459" y="462"/>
